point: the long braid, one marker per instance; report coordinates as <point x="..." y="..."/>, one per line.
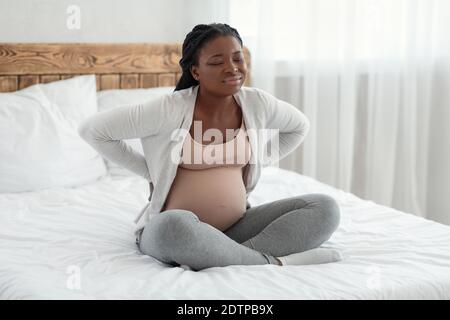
<point x="198" y="37"/>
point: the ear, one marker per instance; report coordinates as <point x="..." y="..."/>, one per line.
<point x="194" y="72"/>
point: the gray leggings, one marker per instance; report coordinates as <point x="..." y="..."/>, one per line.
<point x="177" y="237"/>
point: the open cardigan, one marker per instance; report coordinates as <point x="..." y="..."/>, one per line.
<point x="163" y="123"/>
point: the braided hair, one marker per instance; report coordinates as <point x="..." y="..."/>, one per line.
<point x="199" y="36"/>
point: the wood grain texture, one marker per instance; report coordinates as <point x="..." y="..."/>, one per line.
<point x="149" y="80"/>
<point x="129" y="81"/>
<point x="45" y="78"/>
<point x="27" y="80"/>
<point x="9" y="83"/>
<point x="109" y="81"/>
<point x="116" y="65"/>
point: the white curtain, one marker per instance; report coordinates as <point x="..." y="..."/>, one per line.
<point x="373" y="78"/>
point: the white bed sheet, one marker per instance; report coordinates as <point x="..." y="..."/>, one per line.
<point x="78" y="244"/>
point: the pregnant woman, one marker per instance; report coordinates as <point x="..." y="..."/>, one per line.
<point x="198" y="214"/>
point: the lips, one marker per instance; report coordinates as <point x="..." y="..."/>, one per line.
<point x="232" y="79"/>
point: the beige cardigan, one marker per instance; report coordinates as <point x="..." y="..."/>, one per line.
<point x="163" y="123"/>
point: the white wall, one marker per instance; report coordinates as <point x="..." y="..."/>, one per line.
<point x="104" y="20"/>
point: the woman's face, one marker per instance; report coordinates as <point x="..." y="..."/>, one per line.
<point x="220" y="59"/>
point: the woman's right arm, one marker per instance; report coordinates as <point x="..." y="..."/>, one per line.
<point x="105" y="130"/>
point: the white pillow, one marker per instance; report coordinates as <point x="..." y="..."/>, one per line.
<point x="107" y="99"/>
<point x="40" y="147"/>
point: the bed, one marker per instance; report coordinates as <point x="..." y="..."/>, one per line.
<point x="78" y="242"/>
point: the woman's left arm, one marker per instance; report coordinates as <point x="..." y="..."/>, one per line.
<point x="289" y="123"/>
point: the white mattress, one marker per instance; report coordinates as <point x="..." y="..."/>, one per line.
<point x="79" y="244"/>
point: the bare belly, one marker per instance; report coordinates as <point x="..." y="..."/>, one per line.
<point x="216" y="195"/>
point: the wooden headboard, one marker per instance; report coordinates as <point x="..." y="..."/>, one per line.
<point x="116" y="65"/>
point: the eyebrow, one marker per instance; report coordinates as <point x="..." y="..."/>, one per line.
<point x="219" y="54"/>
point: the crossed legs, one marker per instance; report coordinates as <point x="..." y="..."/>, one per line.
<point x="278" y="228"/>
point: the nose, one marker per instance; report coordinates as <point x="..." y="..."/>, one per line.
<point x="231" y="67"/>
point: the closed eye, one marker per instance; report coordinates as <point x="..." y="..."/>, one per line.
<point x="215" y="64"/>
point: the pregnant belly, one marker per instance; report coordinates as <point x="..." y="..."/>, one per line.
<point x="216" y="195"/>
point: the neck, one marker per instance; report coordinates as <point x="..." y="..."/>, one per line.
<point x="214" y="105"/>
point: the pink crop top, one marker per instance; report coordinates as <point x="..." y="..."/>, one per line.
<point x="209" y="180"/>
